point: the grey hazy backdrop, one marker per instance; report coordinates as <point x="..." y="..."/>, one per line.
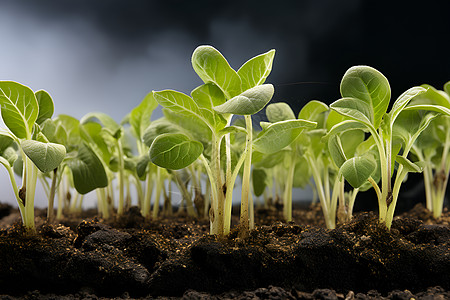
<point x="106" y="55"/>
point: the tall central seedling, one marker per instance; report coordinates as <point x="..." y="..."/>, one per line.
<point x="224" y="93"/>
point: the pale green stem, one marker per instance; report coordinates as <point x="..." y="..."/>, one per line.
<point x="212" y="182"/>
<point x="207" y="200"/>
<point x="159" y="183"/>
<point x="288" y="188"/>
<point x="326" y="183"/>
<point x="128" y="193"/>
<point x="229" y="193"/>
<point x="230" y="186"/>
<point x="331" y="218"/>
<point x="80" y="203"/>
<point x="385" y="176"/>
<point x="139" y="191"/>
<point x="244" y="217"/>
<point x="45" y="185"/>
<point x="73" y="201"/>
<point x="342" y="209"/>
<point x="397" y="184"/>
<point x="320" y="191"/>
<point x="427" y="178"/>
<point x="376" y="188"/>
<point x="100" y="204"/>
<point x="145" y="211"/>
<point x="313" y="188"/>
<point x="13" y="183"/>
<point x="351" y="203"/>
<point x="442" y="173"/>
<point x="251" y="208"/>
<point x="104" y="199"/>
<point x="31" y="179"/>
<point x="59" y="211"/>
<point x="51" y="197"/>
<point x="110" y="194"/>
<point x="217" y="226"/>
<point x="120" y="208"/>
<point x="186" y="195"/>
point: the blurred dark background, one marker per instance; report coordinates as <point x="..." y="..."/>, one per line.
<point x="105" y="55"/>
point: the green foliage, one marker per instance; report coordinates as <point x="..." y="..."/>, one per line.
<point x="19" y="107"/>
<point x="174" y="151"/>
<point x="87" y="170"/>
<point x="279" y="135"/>
<point x="46" y="156"/>
<point x="249" y="102"/>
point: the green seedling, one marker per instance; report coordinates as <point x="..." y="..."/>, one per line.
<point x="433" y="146"/>
<point x="85" y="171"/>
<point x="346" y="148"/>
<point x="23" y="111"/>
<point x="366" y="95"/>
<point x="224" y="93"/>
<point x="285" y="131"/>
<point x="112" y="134"/>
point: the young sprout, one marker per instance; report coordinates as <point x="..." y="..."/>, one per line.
<point x="433" y="146"/>
<point x="285" y="131"/>
<point x="224" y="93"/>
<point x="85" y="171"/>
<point x="366" y="95"/>
<point x="112" y="144"/>
<point x="22" y="112"/>
<point x="345" y="148"/>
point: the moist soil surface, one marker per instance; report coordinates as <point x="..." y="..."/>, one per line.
<point x="174" y="257"/>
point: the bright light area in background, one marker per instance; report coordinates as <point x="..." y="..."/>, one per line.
<point x="84" y="71"/>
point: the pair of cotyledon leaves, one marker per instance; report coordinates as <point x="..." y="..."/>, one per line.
<point x="246" y="93"/>
<point x="21" y="109"/>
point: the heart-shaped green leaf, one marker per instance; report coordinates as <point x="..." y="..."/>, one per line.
<point x="259" y="177"/>
<point x="411" y="123"/>
<point x="255" y="71"/>
<point x="208" y="95"/>
<point x="281" y="111"/>
<point x="343" y="146"/>
<point x="313" y="110"/>
<point x="211" y="66"/>
<point x="46" y="106"/>
<point x="174" y="151"/>
<point x="5" y="142"/>
<point x="249" y="102"/>
<point x="279" y="135"/>
<point x="370" y="87"/>
<point x="403" y="100"/>
<point x="357" y="170"/>
<point x="87" y="170"/>
<point x="46" y="156"/>
<point x="19" y="108"/>
<point x="157" y="128"/>
<point x="355" y="109"/>
<point x="142" y="166"/>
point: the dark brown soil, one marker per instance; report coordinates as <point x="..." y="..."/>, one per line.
<point x="175" y="257"/>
